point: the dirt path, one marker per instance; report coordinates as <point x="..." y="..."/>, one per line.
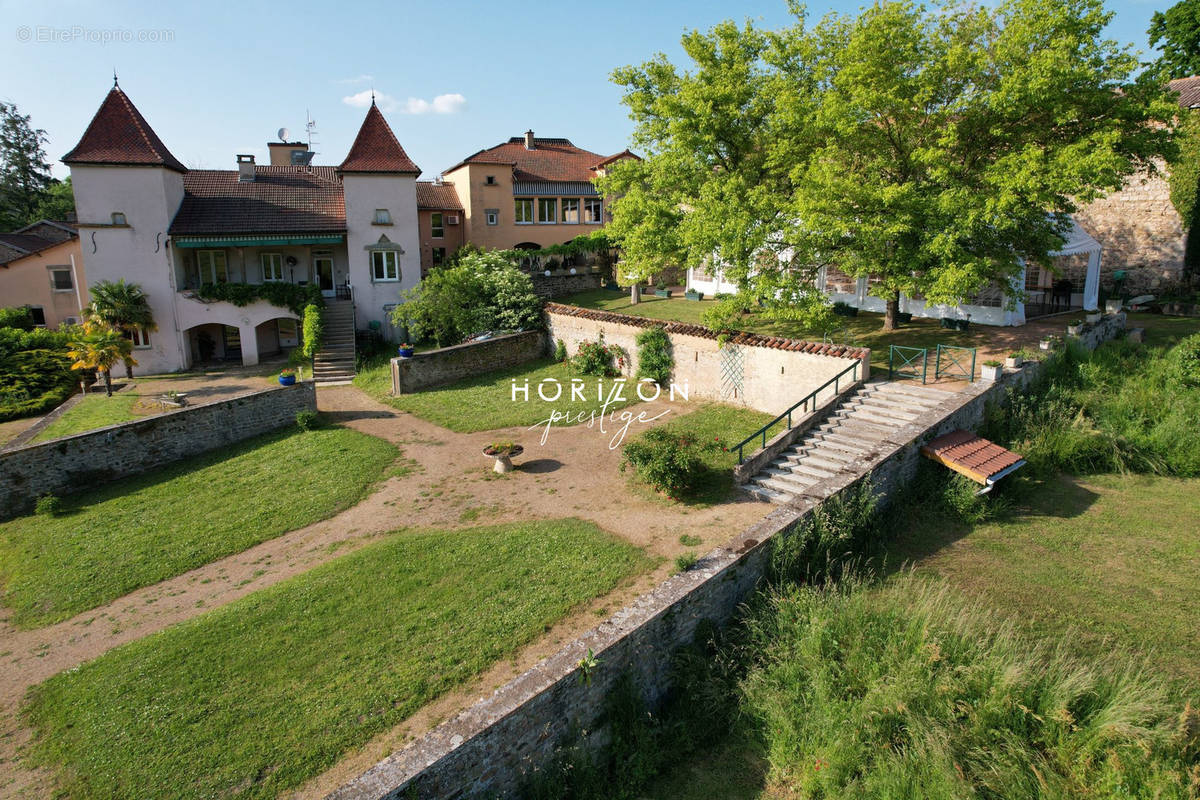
<point x="446" y="483"/>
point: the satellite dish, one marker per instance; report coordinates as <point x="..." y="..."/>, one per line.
<point x="283" y="134"/>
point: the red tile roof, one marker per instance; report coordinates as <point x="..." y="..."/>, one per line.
<point x="549" y="160"/>
<point x="1189" y="91"/>
<point x="119" y="134"/>
<point x="970" y="454"/>
<point x="376" y="149"/>
<point x="279" y="200"/>
<point x="430" y="195"/>
<point x="626" y="153"/>
<point x="686" y="329"/>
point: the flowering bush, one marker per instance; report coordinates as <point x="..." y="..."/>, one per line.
<point x="667" y="461"/>
<point x="598" y="358"/>
<point x="654" y="356"/>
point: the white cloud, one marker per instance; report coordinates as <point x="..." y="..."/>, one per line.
<point x="442" y="104"/>
<point x="363" y="100"/>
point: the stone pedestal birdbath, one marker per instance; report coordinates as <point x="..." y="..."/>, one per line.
<point x="503" y="452"/>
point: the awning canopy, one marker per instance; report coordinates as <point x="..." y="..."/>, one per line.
<point x="969" y="454"/>
<point x="257" y="240"/>
<point x="1078" y="241"/>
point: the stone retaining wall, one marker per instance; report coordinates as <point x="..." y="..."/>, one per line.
<point x="767" y="373"/>
<point x="491" y="749"/>
<point x="82" y="461"/>
<point x="449" y="364"/>
<point x="559" y="284"/>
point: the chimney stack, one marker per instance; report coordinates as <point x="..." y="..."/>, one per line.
<point x="529" y="139"/>
<point x="245" y="163"/>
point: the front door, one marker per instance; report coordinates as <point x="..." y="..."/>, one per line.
<point x="323" y="266"/>
<point x="233" y="342"/>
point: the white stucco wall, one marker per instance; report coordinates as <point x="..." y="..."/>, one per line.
<point x="149" y="198"/>
<point x="364" y="194"/>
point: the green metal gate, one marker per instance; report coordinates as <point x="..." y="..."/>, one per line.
<point x="955" y="362"/>
<point x="908" y="362"/>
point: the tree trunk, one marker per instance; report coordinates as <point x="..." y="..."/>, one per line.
<point x="635" y="294"/>
<point x="108" y="383"/>
<point x="128" y="369"/>
<point x="893" y="308"/>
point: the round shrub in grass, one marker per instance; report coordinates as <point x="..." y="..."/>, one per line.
<point x="902" y="691"/>
<point x="668" y="462"/>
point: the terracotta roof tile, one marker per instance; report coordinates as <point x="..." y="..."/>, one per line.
<point x="699" y="331"/>
<point x="549" y="160"/>
<point x="1189" y="91"/>
<point x="969" y="452"/>
<point x="376" y="148"/>
<point x="626" y="153"/>
<point x="283" y="199"/>
<point x="119" y="134"/>
<point x="430" y="195"/>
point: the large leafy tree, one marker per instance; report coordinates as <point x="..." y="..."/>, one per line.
<point x="57" y="203"/>
<point x="24" y="171"/>
<point x="123" y="306"/>
<point x="931" y="152"/>
<point x="1176" y="32"/>
<point x="101" y="347"/>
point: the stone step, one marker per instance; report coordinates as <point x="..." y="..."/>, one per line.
<point x="799" y="468"/>
<point x="870" y="416"/>
<point x="857" y="427"/>
<point x="793" y="487"/>
<point x="818" y="458"/>
<point x="887" y="405"/>
<point x="832" y="456"/>
<point x="766" y="494"/>
<point x="932" y="397"/>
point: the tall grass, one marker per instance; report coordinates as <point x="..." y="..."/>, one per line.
<point x="902" y="690"/>
<point x="1122" y="408"/>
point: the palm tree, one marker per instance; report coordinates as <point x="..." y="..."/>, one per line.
<point x="100" y="348"/>
<point x="123" y="306"/>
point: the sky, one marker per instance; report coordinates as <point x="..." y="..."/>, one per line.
<point x="217" y="79"/>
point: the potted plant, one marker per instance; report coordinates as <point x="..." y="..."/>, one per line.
<point x="844" y="309"/>
<point x="287" y="376"/>
<point x="692" y="294"/>
<point x="1049" y="342"/>
<point x="1013" y="361"/>
<point x="405" y="350"/>
<point x="949" y="323"/>
<point x="1075" y="328"/>
<point x="992" y="370"/>
<point x="962" y="324"/>
<point x="903" y="317"/>
<point x="503" y="451"/>
<point x="660" y="289"/>
<point x="1093" y="317"/>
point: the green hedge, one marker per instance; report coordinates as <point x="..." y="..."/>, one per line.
<point x="35" y="372"/>
<point x="285" y="295"/>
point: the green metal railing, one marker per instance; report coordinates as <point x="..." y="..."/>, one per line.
<point x="811" y="397"/>
<point x="952" y="362"/>
<point x="903" y="362"/>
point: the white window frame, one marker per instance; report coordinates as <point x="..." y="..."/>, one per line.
<point x="141" y="338"/>
<point x="492" y="216"/>
<point x="520" y="204"/>
<point x="437" y="225"/>
<point x="54" y="287"/>
<point x="274" y="260"/>
<point x="382" y="217"/>
<point x="211" y="265"/>
<point x="553" y="206"/>
<point x="385" y="259"/>
<point x="574" y="206"/>
<point x="590" y="203"/>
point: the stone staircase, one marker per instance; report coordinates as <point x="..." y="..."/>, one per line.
<point x="845" y="438"/>
<point x="334" y="362"/>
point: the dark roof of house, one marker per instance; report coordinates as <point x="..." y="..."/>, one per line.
<point x="279" y="200"/>
<point x="549" y="160"/>
<point x="431" y="195"/>
<point x="119" y="134"/>
<point x="1189" y="91"/>
<point x="31" y="239"/>
<point x="376" y="148"/>
<point x="686" y="329"/>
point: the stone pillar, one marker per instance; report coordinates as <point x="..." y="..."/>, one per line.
<point x="249" y="337"/>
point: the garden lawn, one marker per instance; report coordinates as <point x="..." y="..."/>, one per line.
<point x="255" y="698"/>
<point x="714" y="427"/>
<point x="145" y="529"/>
<point x="91" y="412"/>
<point x="486" y="402"/>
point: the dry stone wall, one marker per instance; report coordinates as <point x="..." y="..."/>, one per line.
<point x="79" y="462"/>
<point x="449" y="364"/>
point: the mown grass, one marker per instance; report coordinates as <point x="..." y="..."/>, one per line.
<point x="254" y="698"/>
<point x="486" y="402"/>
<point x="145" y="529"/>
<point x="91" y="412"/>
<point x="715" y="427"/>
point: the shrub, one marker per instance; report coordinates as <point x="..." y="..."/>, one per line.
<point x="48" y="506"/>
<point x="308" y="420"/>
<point x="481" y="292"/>
<point x="597" y="358"/>
<point x="1187" y="361"/>
<point x="35" y="372"/>
<point x="685" y="561"/>
<point x="688" y="540"/>
<point x="285" y="295"/>
<point x="668" y="462"/>
<point x="844" y="309"/>
<point x="16" y="317"/>
<point x="313" y="330"/>
<point x="501" y="447"/>
<point x="560" y="351"/>
<point x="654" y="356"/>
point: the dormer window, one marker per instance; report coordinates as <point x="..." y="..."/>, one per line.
<point x="490" y="180"/>
<point x="383" y="216"/>
<point x="118" y="218"/>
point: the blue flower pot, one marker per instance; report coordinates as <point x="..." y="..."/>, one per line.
<point x="405" y="352"/>
<point x="287" y="380"/>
